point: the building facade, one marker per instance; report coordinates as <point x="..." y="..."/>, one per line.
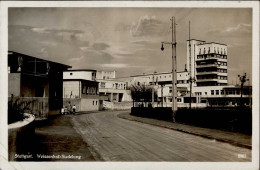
<point x="38" y="80"/>
<point x="81" y="88"/>
<point x="106" y="75"/>
<point x="207" y="63"/>
<point x="111" y="88"/>
<point x="207" y="67"/>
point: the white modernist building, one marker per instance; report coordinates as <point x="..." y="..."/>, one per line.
<point x="111" y="88"/>
<point x="207" y="67"/>
<point x="81" y="88"/>
<point x="207" y="63"/>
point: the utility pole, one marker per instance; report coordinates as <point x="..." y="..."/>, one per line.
<point x="242" y="79"/>
<point x="191" y="80"/>
<point x="153" y="93"/>
<point x="162" y="93"/>
<point x="174" y="65"/>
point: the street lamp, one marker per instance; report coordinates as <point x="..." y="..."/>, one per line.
<point x="174" y="65"/>
<point x="162" y="48"/>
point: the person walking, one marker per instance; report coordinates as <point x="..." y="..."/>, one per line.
<point x="74" y="109"/>
<point x="69" y="108"/>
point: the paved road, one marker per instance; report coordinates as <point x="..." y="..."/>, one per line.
<point x="117" y="139"/>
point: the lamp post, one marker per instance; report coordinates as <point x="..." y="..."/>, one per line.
<point x="174" y="65"/>
<point x="242" y="79"/>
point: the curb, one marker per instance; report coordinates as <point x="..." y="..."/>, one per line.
<point x="188" y="132"/>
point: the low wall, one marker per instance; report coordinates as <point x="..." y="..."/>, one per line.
<point x="21" y="138"/>
<point x="117" y="105"/>
<point x="83" y="104"/>
<point x="77" y="102"/>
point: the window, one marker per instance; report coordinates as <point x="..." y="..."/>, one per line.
<point x="222" y="92"/>
<point x="206" y="93"/>
<point x="212" y="92"/>
<point x="178" y="99"/>
<point x="103" y="85"/>
<point x="71" y="74"/>
<point x="96" y="102"/>
<point x="93" y="102"/>
<point x="217" y="92"/>
<point x="84" y="90"/>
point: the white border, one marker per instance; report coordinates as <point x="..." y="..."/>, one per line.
<point x="127" y="165"/>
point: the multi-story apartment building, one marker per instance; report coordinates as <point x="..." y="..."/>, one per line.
<point x="207" y="63"/>
<point x="106" y="75"/>
<point x="207" y="66"/>
<point x="162" y="82"/>
<point x="111" y="88"/>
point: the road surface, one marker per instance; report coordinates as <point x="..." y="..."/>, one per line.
<point x="116" y="139"/>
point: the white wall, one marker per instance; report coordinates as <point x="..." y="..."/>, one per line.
<point x="106" y="74"/>
<point x="89" y="104"/>
<point x="71" y="87"/>
<point x="111" y="84"/>
<point x="85" y="75"/>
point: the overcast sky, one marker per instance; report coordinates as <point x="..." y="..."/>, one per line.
<point x="128" y="40"/>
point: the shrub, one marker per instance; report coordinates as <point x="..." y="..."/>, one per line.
<point x="16" y="109"/>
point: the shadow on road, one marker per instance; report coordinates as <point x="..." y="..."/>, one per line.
<point x="56" y="140"/>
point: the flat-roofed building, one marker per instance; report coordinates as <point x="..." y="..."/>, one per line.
<point x="81" y="88"/>
<point x="34" y="79"/>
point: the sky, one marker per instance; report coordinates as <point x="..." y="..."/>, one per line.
<point x="128" y="40"/>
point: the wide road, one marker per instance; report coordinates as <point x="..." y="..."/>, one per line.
<point x="116" y="139"/>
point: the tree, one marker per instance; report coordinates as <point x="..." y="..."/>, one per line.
<point x="141" y="93"/>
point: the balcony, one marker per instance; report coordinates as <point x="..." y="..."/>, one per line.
<point x="206" y="80"/>
<point x="207" y="72"/>
<point x="211" y="56"/>
<point x="207" y="65"/>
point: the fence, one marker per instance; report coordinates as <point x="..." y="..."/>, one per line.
<point x="38" y="106"/>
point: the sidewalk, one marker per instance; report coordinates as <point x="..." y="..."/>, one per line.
<point x="56" y="136"/>
<point x="237" y="139"/>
